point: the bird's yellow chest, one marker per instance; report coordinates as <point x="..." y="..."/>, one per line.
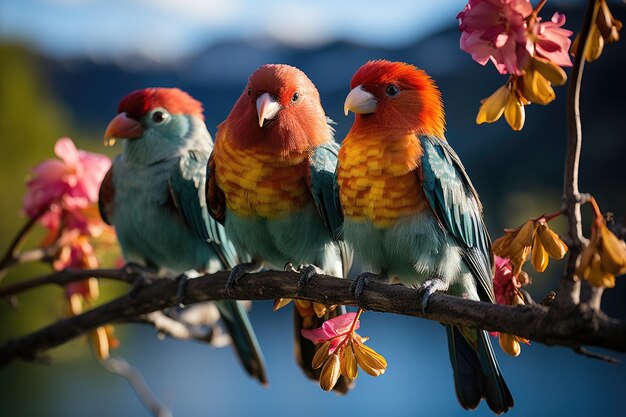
<point x="255" y="183"/>
<point x="378" y="180"/>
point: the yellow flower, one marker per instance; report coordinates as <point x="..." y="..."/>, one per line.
<point x="539" y="256"/>
<point x="533" y="238"/>
<point x="514" y="112"/>
<point x="515" y="245"/>
<point x="330" y="372"/>
<point x="552" y="72"/>
<point x="608" y="26"/>
<point x="103" y="340"/>
<point x="369" y="360"/>
<point x="605" y="29"/>
<point x="510" y="343"/>
<point x="536" y="88"/>
<point x="349" y="363"/>
<point x="553" y="244"/>
<point x="341" y="351"/>
<point x="603" y="258"/>
<point x="307" y="309"/>
<point x="492" y="107"/>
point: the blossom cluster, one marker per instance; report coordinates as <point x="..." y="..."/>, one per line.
<point x="511" y="35"/>
<point x="603" y="258"/>
<point x="340" y="350"/>
<point x="62" y="194"/>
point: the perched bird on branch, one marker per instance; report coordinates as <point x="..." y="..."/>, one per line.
<point x="271" y="182"/>
<point x="411" y="212"/>
<point x="154" y="196"/>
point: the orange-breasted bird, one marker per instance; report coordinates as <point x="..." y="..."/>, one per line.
<point x="412" y="213"/>
<point x="271" y="182"/>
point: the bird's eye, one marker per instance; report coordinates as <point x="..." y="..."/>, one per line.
<point x="295" y="97"/>
<point x="392" y="90"/>
<point x="249" y="91"/>
<point x="159" y="116"/>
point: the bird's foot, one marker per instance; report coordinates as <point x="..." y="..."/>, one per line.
<point x="238" y="271"/>
<point x="183" y="280"/>
<point x="361" y="281"/>
<point x="428" y="288"/>
<point x="306" y="271"/>
<point x="139" y="275"/>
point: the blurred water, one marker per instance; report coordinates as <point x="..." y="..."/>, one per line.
<point x="196" y="380"/>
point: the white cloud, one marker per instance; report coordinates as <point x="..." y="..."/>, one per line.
<point x="198" y="11"/>
<point x="300" y="24"/>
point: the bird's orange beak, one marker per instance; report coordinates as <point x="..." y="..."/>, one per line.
<point x="266" y="107"/>
<point x="122" y="127"/>
<point x="359" y="101"/>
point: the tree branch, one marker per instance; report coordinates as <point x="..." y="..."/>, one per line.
<point x="138" y="383"/>
<point x="12" y="256"/>
<point x="569" y="290"/>
<point x="126" y="274"/>
<point x="178" y="327"/>
<point x="531" y="322"/>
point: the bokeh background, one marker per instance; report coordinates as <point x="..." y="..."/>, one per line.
<point x="65" y="64"/>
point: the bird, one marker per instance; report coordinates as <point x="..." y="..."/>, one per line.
<point x="271" y="182"/>
<point x="154" y="196"/>
<point x="411" y="213"/>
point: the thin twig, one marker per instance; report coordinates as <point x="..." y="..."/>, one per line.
<point x="531" y="322"/>
<point x="11" y="255"/>
<point x="123" y="369"/>
<point x="126" y="274"/>
<point x="548" y="299"/>
<point x="176" y="329"/>
<point x="569" y="291"/>
<point x="594" y="355"/>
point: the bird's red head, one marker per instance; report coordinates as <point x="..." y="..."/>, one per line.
<point x="136" y="105"/>
<point x="395" y="95"/>
<point x="279" y="111"/>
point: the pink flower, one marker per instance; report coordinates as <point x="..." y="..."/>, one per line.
<point x="63" y="187"/>
<point x="332" y="329"/>
<point x="552" y="42"/>
<point x="505" y="284"/>
<point x="496" y="30"/>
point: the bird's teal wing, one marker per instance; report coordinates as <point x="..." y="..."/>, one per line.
<point x="187" y="187"/>
<point x="216" y="200"/>
<point x="106" y="195"/>
<point x="325" y="191"/>
<point x="455" y="203"/>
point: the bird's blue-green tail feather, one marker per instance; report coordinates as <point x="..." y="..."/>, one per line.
<point x="476" y="372"/>
<point x="235" y="320"/>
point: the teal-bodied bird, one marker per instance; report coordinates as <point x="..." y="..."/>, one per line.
<point x="412" y="213"/>
<point x="154" y="195"/>
<point x="271" y="181"/>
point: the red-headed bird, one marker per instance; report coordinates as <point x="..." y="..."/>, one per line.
<point x="154" y="196"/>
<point x="412" y="213"/>
<point x="271" y="181"/>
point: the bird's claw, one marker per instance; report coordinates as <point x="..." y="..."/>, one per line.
<point x="237" y="272"/>
<point x="306" y="273"/>
<point x="182" y="281"/>
<point x="138" y="274"/>
<point x="362" y="280"/>
<point x="428" y="288"/>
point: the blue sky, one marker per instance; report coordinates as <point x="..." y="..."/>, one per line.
<point x="164" y="30"/>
